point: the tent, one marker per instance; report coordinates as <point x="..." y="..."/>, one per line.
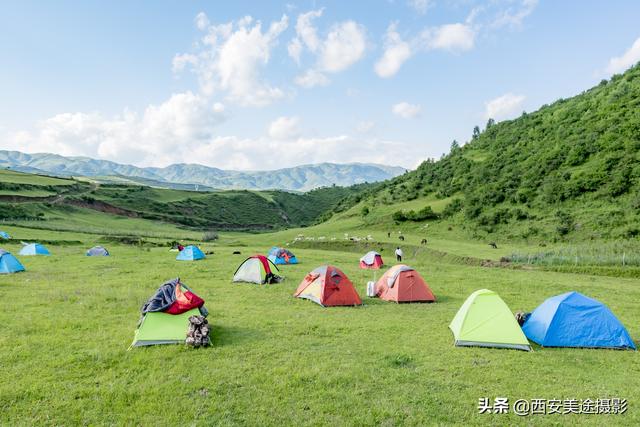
<point x="281" y="256"/>
<point x="97" y="251"/>
<point x="484" y="320"/>
<point x="402" y="283"/>
<point x="257" y="269"/>
<point x="372" y="259"/>
<point x="34" y="249"/>
<point x="328" y="286"/>
<point x="574" y="320"/>
<point x="4" y="235"/>
<point x="166" y="315"/>
<point x="9" y="263"/>
<point x="190" y="253"/>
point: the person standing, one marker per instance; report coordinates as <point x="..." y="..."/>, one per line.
<point x="399" y="254"/>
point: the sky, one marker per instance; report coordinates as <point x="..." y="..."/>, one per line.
<point x="257" y="85"/>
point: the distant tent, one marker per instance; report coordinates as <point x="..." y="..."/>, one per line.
<point x="190" y="253"/>
<point x="97" y="251"/>
<point x="34" y="249"/>
<point x="166" y="315"/>
<point x="484" y="320"/>
<point x="4" y="235"/>
<point x="402" y="283"/>
<point x="574" y="320"/>
<point x="281" y="256"/>
<point x="9" y="264"/>
<point x="372" y="259"/>
<point x="257" y="269"/>
<point x="328" y="286"/>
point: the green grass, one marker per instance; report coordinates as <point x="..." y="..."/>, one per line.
<point x="276" y="360"/>
<point x="26" y="178"/>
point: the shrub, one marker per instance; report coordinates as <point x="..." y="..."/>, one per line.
<point x="209" y="236"/>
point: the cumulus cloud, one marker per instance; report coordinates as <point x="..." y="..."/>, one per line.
<point x="344" y="45"/>
<point x="628" y="59"/>
<point x="285" y="128"/>
<point x="406" y="110"/>
<point x="419" y="6"/>
<point x="396" y="52"/>
<point x="451" y="37"/>
<point x="230" y="57"/>
<point x="504" y="107"/>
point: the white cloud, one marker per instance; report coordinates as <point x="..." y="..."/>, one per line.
<point x="451" y="37"/>
<point x="419" y="6"/>
<point x="344" y="45"/>
<point x="284" y="128"/>
<point x="396" y="52"/>
<point x="406" y="110"/>
<point x="202" y="21"/>
<point x="513" y="16"/>
<point x="230" y="59"/>
<point x="312" y="78"/>
<point x="628" y="59"/>
<point x="365" y="126"/>
<point x="503" y="107"/>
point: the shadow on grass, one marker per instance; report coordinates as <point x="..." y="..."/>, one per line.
<point x="224" y="335"/>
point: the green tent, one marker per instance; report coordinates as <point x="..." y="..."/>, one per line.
<point x="163" y="328"/>
<point x="484" y="320"/>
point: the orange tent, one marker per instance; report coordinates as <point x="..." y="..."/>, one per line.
<point x="328" y="286"/>
<point x="403" y="284"/>
<point x="371" y="259"/>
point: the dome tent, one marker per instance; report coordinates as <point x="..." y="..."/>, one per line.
<point x="371" y="259"/>
<point x="190" y="253"/>
<point x="484" y="320"/>
<point x="34" y="249"/>
<point x="281" y="256"/>
<point x="328" y="286"/>
<point x="575" y="320"/>
<point x="257" y="269"/>
<point x="402" y="283"/>
<point x="9" y="264"/>
<point x="97" y="251"/>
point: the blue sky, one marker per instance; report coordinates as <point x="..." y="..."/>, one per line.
<point x="263" y="85"/>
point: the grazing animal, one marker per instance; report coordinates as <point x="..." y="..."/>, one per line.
<point x="236" y="252"/>
<point x="423" y="242"/>
<point x="401" y="238"/>
<point x="493" y="245"/>
<point x="388" y="234"/>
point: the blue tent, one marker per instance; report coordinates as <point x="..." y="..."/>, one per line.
<point x="9" y="263"/>
<point x="4" y="235"/>
<point x="574" y="320"/>
<point x="281" y="256"/>
<point x="97" y="251"/>
<point x="34" y="249"/>
<point x="190" y="253"/>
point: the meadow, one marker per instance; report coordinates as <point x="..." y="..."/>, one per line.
<point x="276" y="360"/>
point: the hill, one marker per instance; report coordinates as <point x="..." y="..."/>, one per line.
<point x="299" y="178"/>
<point x="567" y="171"/>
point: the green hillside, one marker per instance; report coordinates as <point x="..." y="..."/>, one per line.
<point x="567" y="171"/>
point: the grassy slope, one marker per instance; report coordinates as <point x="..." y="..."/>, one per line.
<point x="276" y="360"/>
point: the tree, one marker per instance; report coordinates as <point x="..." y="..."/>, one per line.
<point x="476" y="132"/>
<point x="454" y="146"/>
<point x="490" y="123"/>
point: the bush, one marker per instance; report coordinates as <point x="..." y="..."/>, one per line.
<point x="209" y="236"/>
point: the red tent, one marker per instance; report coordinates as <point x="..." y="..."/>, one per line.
<point x="403" y="284"/>
<point x="328" y="286"/>
<point x="371" y="259"/>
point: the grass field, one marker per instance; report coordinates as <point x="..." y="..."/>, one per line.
<point x="277" y="360"/>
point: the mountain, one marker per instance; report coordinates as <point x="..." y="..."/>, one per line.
<point x="569" y="170"/>
<point x="299" y="178"/>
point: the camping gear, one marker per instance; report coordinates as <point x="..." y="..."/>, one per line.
<point x="371" y="259"/>
<point x="328" y="286"/>
<point x="281" y="256"/>
<point x="190" y="253"/>
<point x="402" y="283"/>
<point x="484" y="320"/>
<point x="165" y="316"/>
<point x="575" y="320"/>
<point x="371" y="289"/>
<point x="97" y="251"/>
<point x="33" y="249"/>
<point x="257" y="269"/>
<point x="4" y="235"/>
<point x="9" y="264"/>
<point x="198" y="332"/>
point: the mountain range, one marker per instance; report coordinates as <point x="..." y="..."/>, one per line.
<point x="299" y="178"/>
